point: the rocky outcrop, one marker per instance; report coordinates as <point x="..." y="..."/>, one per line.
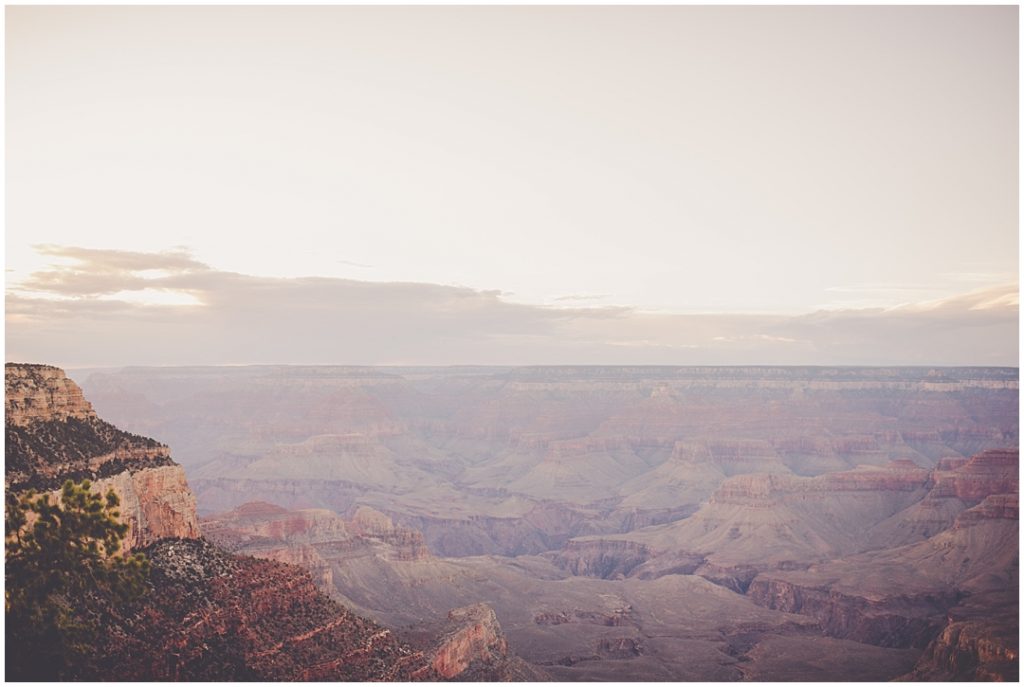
<point x="767" y="490"/>
<point x="613" y="617"/>
<point x="472" y="647"/>
<point x="315" y="539"/>
<point x="989" y="472"/>
<point x="590" y="436"/>
<point x="209" y="615"/>
<point x="406" y="544"/>
<point x="258" y="521"/>
<point x="477" y="638"/>
<point x="156" y="503"/>
<point x="604" y="558"/>
<point x="900" y="622"/>
<point x="979" y="642"/>
<point x="734" y="577"/>
<point x="42" y="393"/>
<point x="53" y="435"/>
<point x="542" y="528"/>
<point x="904" y="597"/>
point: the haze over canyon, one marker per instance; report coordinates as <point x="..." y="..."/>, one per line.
<point x="637" y="523"/>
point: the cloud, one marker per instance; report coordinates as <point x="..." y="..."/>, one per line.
<point x="976" y="328"/>
<point x="582" y="297"/>
<point x="997" y="297"/>
<point x="79" y="314"/>
<point x="94" y="272"/>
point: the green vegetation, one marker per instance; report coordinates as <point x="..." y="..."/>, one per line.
<point x="64" y="575"/>
<point x="42" y="455"/>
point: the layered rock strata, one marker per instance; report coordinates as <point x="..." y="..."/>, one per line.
<point x="210" y="615"/>
<point x="53" y="435"/>
<point x="954" y="594"/>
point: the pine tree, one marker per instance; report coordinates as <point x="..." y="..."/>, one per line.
<point x="64" y="573"/>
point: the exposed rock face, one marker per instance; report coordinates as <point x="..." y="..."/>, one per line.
<point x="613" y="447"/>
<point x="664" y="521"/>
<point x="979" y="642"/>
<point x="155" y="503"/>
<point x="604" y="558"/>
<point x="406" y="544"/>
<point x="961" y="582"/>
<point x="472" y="647"/>
<point x="210" y="615"/>
<point x="314" y="539"/>
<point x="268" y="531"/>
<point x="477" y="638"/>
<point x="908" y="621"/>
<point x="989" y="472"/>
<point x="54" y="435"/>
<point x="41" y="393"/>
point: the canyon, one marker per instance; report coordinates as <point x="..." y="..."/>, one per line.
<point x="208" y="614"/>
<point x="621" y="523"/>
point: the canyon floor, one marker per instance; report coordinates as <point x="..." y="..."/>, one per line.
<point x="624" y="523"/>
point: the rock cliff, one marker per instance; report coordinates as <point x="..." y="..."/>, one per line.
<point x="54" y="435"/>
<point x="315" y="539"/>
<point x="208" y="614"/>
<point x="979" y="642"/>
<point x="953" y="594"/>
<point x="756" y="522"/>
<point x="42" y="393"/>
<point x="604" y="558"/>
<point x="474" y="648"/>
<point x="461" y="454"/>
<point x="989" y="472"/>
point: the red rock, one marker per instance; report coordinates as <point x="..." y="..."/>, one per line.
<point x="477" y="639"/>
<point x="41" y="393"/>
<point x="989" y="472"/>
<point x="210" y="615"/>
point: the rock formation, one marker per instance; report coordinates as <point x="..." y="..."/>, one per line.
<point x="315" y="539"/>
<point x="42" y="393"/>
<point x="979" y="642"/>
<point x="516" y="461"/>
<point x="54" y="435"/>
<point x="624" y="523"/>
<point x="954" y="594"/>
<point x="473" y="648"/>
<point x="208" y="614"/>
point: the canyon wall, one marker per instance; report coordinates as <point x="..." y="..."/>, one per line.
<point x="207" y="614"/>
<point x="53" y="435"/>
<point x="598" y="511"/>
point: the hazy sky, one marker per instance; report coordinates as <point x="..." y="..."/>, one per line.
<point x="512" y="185"/>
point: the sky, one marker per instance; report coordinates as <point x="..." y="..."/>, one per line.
<point x="512" y="185"/>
